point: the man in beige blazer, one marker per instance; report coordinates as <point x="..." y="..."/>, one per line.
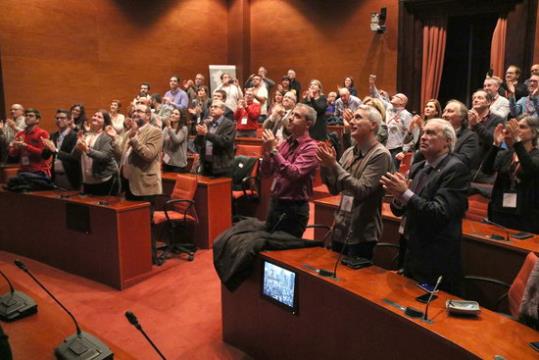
<point x="141" y="164"/>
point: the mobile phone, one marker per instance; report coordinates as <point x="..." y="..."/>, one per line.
<point x="535" y="345"/>
<point x="427" y="287"/>
<point x="425" y="297"/>
<point x="356" y="262"/>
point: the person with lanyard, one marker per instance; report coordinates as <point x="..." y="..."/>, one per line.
<point x="358" y="221"/>
<point x="432" y="207"/>
<point x="526" y="105"/>
<point x="215" y="142"/>
<point x="292" y="165"/>
<point x="514" y="156"/>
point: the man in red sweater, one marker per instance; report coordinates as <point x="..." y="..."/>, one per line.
<point x="28" y="145"/>
<point x="246" y="115"/>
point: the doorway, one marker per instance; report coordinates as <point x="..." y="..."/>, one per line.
<point x="467" y="56"/>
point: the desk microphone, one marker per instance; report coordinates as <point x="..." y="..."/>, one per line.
<point x="438" y="282"/>
<point x="131" y="317"/>
<point x="81" y="345"/>
<point x="507" y="236"/>
<point x="15" y="305"/>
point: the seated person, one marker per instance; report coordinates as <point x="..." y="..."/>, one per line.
<point x="515" y="157"/>
<point x="28" y="145"/>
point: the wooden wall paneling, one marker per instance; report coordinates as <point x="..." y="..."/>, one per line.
<point x="324" y="40"/>
<point x="239" y="38"/>
<point x="520" y="40"/>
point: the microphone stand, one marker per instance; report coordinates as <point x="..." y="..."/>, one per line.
<point x="132" y="318"/>
<point x="425" y="315"/>
<point x="80" y="346"/>
<point x="15" y="305"/>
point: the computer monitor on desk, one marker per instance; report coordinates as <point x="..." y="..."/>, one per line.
<point x="279" y="285"/>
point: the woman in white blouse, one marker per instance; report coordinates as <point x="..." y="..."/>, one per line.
<point x="115" y="116"/>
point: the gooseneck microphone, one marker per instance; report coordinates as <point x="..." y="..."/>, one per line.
<point x="438" y="282"/>
<point x="15" y="305"/>
<point x="131" y="317"/>
<point x="81" y="345"/>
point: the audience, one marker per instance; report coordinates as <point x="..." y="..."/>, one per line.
<point x="500" y="104"/>
<point x="358" y="221"/>
<point x="144" y="93"/>
<point x="115" y="116"/>
<point x="232" y="90"/>
<point x="96" y="153"/>
<point x="515" y="196"/>
<point x="200" y="106"/>
<point x="432" y="206"/>
<point x="267" y="82"/>
<point x="349" y="84"/>
<point x="315" y="99"/>
<point x="345" y="102"/>
<point x="294" y="83"/>
<point x="9" y="128"/>
<point x="176" y="97"/>
<point x="141" y="165"/>
<point x="215" y="142"/>
<point x="78" y="117"/>
<point x="529" y="104"/>
<point x="65" y="169"/>
<point x="28" y="146"/>
<point x="260" y="96"/>
<point x="247" y="114"/>
<point x="292" y="165"/>
<point x="175" y="139"/>
<point x="511" y="86"/>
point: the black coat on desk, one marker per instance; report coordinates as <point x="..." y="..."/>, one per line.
<point x="70" y="162"/>
<point x="434" y="223"/>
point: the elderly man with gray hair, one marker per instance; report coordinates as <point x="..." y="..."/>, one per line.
<point x="345" y="102"/>
<point x="358" y="220"/>
<point x="432" y="207"/>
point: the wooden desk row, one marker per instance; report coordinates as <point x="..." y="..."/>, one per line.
<point x="348" y="319"/>
<point x="480" y="254"/>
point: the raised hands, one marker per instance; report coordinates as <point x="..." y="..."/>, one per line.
<point x="270" y="142"/>
<point x="326" y="155"/>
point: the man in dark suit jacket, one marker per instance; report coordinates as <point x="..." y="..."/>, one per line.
<point x="215" y="142"/>
<point x="66" y="171"/>
<point x="432" y="208"/>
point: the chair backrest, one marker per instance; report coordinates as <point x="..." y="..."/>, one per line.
<point x="243" y="166"/>
<point x="517" y="289"/>
<point x="405" y="163"/>
<point x="477" y="207"/>
<point x="185" y="188"/>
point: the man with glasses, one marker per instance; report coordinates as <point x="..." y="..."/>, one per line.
<point x="292" y="165"/>
<point x="358" y="221"/>
<point x="511" y="86"/>
<point x="527" y="105"/>
<point x="28" y="145"/>
<point x="66" y="172"/>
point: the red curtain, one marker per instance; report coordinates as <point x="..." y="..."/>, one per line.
<point x="434" y="39"/>
<point x="497" y="47"/>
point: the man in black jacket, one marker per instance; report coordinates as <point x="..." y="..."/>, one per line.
<point x="66" y="171"/>
<point x="215" y="142"/>
<point x="432" y="208"/>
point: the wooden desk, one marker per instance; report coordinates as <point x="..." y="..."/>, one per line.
<point x="36" y="336"/>
<point x="347" y="319"/>
<point x="213" y="202"/>
<point x="116" y="251"/>
<point x="7" y="171"/>
<point x="480" y="255"/>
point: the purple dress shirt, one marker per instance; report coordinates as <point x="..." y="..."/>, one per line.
<point x="293" y="167"/>
<point x="179" y="99"/>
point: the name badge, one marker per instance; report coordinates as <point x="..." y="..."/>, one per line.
<point x="402" y="225"/>
<point x="244" y="120"/>
<point x="509" y="200"/>
<point x="25" y="161"/>
<point x="347" y="202"/>
<point x="273" y="184"/>
<point x="166" y="158"/>
<point x="209" y="149"/>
